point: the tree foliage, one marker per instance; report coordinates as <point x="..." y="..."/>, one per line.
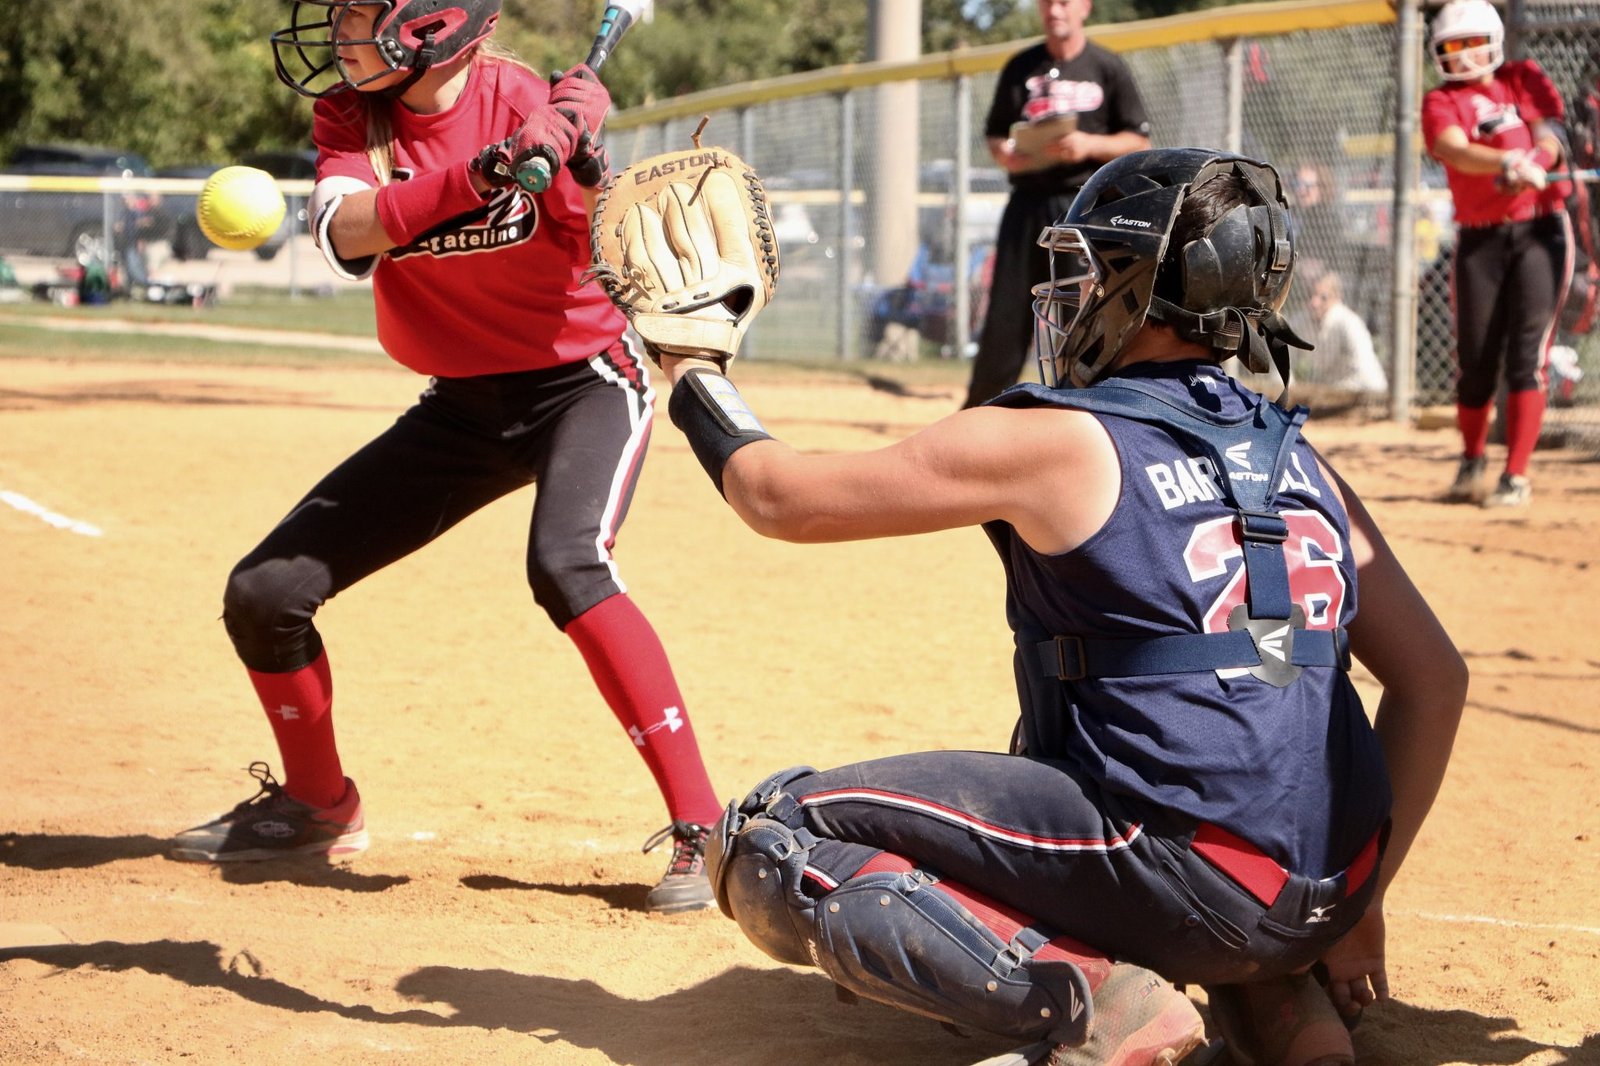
<point x="185" y="81"/>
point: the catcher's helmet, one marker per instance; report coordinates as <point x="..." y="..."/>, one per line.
<point x="409" y="35"/>
<point x="1111" y="266"/>
<point x="1459" y="22"/>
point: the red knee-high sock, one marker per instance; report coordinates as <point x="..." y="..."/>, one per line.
<point x="1005" y="922"/>
<point x="1524" y="415"/>
<point x="299" y="704"/>
<point x="630" y="668"/>
<point x="1474" y="425"/>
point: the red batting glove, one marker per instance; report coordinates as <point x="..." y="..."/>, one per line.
<point x="548" y="133"/>
<point x="579" y="96"/>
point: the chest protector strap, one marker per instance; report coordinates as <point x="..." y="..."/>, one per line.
<point x="1267" y="633"/>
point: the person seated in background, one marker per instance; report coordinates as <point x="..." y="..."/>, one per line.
<point x="1344" y="358"/>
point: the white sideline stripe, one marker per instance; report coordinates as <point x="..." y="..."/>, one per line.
<point x="38" y="510"/>
<point x="1483" y="919"/>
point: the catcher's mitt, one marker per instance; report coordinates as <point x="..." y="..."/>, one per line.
<point x="683" y="244"/>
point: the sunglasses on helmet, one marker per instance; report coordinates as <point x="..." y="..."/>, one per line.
<point x="1461" y="44"/>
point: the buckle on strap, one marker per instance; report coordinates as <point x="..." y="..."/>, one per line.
<point x="1071" y="662"/>
<point x="1262" y="527"/>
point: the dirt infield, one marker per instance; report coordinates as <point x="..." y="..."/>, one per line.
<point x="498" y="916"/>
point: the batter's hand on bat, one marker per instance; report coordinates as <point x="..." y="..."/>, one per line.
<point x="579" y="95"/>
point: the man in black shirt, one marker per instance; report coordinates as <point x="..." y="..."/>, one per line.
<point x="1061" y="108"/>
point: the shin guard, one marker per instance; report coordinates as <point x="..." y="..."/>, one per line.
<point x="899" y="937"/>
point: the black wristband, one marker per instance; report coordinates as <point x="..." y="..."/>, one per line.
<point x="715" y="418"/>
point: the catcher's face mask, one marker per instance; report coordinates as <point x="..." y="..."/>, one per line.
<point x="333" y="45"/>
<point x="1060" y="303"/>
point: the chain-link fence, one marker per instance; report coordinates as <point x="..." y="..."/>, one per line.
<point x="81" y="238"/>
<point x="1563" y="37"/>
<point x="887" y="203"/>
<point x="1310" y="86"/>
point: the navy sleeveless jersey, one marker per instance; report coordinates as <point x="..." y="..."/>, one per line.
<point x="1297" y="771"/>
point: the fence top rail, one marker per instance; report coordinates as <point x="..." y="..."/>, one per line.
<point x="86" y="183"/>
<point x="1268" y="19"/>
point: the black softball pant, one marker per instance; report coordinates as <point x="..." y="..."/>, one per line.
<point x="1507" y="282"/>
<point x="1019" y="264"/>
<point x="1144" y="886"/>
<point x="580" y="431"/>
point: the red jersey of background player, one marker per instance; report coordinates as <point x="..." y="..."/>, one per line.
<point x="444" y="301"/>
<point x="1501" y="115"/>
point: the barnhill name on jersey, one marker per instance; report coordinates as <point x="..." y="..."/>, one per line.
<point x="510" y="217"/>
<point x="1193" y="479"/>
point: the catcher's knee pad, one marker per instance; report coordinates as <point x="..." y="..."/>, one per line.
<point x="267" y="609"/>
<point x="756" y="866"/>
<point x="900" y="939"/>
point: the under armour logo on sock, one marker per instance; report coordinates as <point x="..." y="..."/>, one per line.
<point x="671" y="720"/>
<point x="287" y="712"/>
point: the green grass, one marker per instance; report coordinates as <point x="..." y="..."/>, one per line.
<point x="347" y="313"/>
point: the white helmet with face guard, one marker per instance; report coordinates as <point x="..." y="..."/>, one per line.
<point x="1467" y="41"/>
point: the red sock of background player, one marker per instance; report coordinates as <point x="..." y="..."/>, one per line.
<point x="1474" y="424"/>
<point x="630" y="668"/>
<point x="1524" y="413"/>
<point x="299" y="704"/>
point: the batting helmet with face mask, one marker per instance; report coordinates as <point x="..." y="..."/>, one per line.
<point x="1467" y="40"/>
<point x="1111" y="267"/>
<point x="409" y="35"/>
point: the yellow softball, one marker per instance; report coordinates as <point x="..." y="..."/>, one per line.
<point x="239" y="208"/>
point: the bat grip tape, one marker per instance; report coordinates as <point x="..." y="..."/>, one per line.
<point x="715" y="419"/>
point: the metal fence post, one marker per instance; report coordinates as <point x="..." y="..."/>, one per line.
<point x="845" y="339"/>
<point x="963" y="190"/>
<point x="108" y="231"/>
<point x="1233" y="64"/>
<point x="1402" y="234"/>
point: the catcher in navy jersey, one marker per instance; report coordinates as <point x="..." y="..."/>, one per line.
<point x="1195" y="794"/>
<point x="481" y="286"/>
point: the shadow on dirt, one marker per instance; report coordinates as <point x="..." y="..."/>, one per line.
<point x="720" y="1020"/>
<point x="48" y="851"/>
<point x="617" y="897"/>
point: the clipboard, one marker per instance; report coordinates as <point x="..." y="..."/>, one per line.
<point x="1032" y="138"/>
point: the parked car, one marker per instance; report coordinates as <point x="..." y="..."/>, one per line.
<point x="926" y="300"/>
<point x="73" y="224"/>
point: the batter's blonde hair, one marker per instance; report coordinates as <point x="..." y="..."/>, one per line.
<point x="380" y="124"/>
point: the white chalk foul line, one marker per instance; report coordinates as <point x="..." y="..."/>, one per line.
<point x="1483" y="919"/>
<point x="40" y="511"/>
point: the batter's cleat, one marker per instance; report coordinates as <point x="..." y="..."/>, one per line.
<point x="1513" y="490"/>
<point x="685" y="886"/>
<point x="1468" y="485"/>
<point x="271" y="825"/>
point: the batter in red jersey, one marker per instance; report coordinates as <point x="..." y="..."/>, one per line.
<point x="1496" y="128"/>
<point x="480" y="285"/>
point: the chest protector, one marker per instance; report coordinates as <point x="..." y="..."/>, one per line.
<point x="1267" y="634"/>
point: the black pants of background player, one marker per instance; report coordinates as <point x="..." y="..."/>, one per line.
<point x="1509" y="280"/>
<point x="1019" y="264"/>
